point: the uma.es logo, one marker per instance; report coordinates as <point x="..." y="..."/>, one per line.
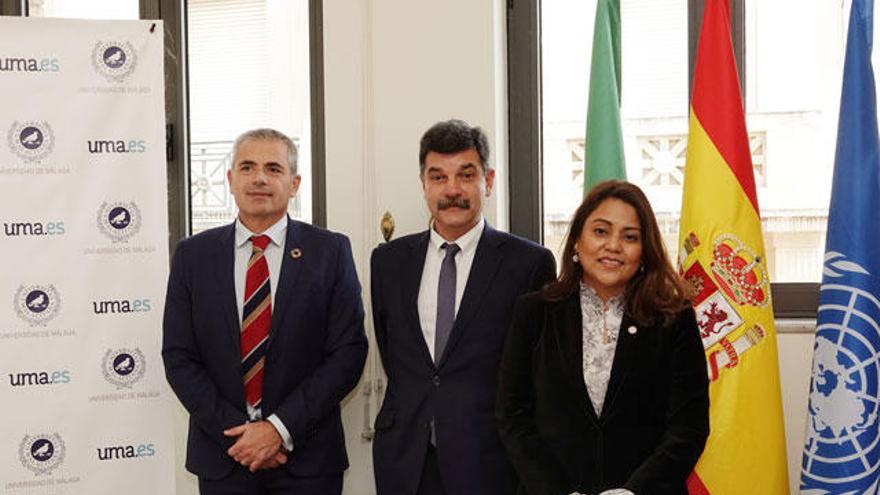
<point x="22" y="229"/>
<point x="117" y="452"/>
<point x="37" y="378"/>
<point x="41" y="453"/>
<point x="102" y="146"/>
<point x="29" y="64"/>
<point x="113" y="306"/>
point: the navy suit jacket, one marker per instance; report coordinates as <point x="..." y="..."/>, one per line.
<point x="315" y="355"/>
<point x="459" y="392"/>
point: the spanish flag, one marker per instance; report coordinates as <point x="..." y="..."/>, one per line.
<point x="721" y="254"/>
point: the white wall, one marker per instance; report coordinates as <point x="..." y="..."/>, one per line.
<point x="795" y="343"/>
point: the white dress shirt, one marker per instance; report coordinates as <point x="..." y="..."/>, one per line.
<point x="429" y="286"/>
<point x="273" y="253"/>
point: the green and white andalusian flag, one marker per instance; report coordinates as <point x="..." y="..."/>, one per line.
<point x="603" y="157"/>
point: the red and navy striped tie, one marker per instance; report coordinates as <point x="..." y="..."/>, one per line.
<point x="255" y="322"/>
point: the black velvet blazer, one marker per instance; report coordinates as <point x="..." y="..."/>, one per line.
<point x="654" y="423"/>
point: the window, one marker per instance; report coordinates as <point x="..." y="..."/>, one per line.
<point x="654" y="106"/>
<point x="248" y="68"/>
<point x="230" y="66"/>
<point x="84" y="9"/>
<point x="792" y="100"/>
<point x="792" y="58"/>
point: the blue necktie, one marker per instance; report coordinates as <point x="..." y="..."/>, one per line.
<point x="445" y="301"/>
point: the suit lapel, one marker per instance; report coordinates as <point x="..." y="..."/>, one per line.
<point x="623" y="360"/>
<point x="487" y="259"/>
<point x="224" y="268"/>
<point x="569" y="340"/>
<point x="289" y="277"/>
<point x="413" y="267"/>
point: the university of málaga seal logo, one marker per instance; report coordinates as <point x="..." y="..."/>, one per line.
<point x="123" y="367"/>
<point x="31" y="140"/>
<point x="115" y="60"/>
<point x="119" y="220"/>
<point x="842" y="451"/>
<point x="37" y="304"/>
<point x="41" y="453"/>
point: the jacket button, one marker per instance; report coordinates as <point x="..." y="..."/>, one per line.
<point x="436" y="380"/>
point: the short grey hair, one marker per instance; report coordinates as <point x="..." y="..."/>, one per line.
<point x="269" y="135"/>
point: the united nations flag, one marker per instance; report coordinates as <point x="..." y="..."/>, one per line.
<point x="842" y="448"/>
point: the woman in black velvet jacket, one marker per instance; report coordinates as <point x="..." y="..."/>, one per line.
<point x="653" y="418"/>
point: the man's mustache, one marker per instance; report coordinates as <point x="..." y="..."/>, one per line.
<point x="463" y="203"/>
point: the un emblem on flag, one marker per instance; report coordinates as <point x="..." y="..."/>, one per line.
<point x="842" y="450"/>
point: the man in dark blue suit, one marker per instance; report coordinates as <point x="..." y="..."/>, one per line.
<point x="264" y="336"/>
<point x="442" y="302"/>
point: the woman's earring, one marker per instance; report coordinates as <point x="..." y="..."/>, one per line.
<point x="642" y="269"/>
<point x="574" y="257"/>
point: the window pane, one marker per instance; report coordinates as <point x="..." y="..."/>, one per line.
<point x="794" y="60"/>
<point x="248" y="68"/>
<point x="85" y="9"/>
<point x="654" y="106"/>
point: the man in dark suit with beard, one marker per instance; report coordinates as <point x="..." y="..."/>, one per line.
<point x="442" y="302"/>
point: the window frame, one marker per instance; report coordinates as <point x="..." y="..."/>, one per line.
<point x="13" y="7"/>
<point x="790" y="300"/>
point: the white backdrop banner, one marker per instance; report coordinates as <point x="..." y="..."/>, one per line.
<point x="84" y="258"/>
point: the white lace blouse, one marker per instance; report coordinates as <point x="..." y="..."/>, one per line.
<point x="601" y="324"/>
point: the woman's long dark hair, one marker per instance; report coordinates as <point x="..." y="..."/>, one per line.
<point x="655" y="292"/>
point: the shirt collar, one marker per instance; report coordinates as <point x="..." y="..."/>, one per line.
<point x="467" y="241"/>
<point x="276" y="232"/>
<point x="589" y="294"/>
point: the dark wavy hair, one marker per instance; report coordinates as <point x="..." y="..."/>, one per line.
<point x="452" y="136"/>
<point x="656" y="292"/>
